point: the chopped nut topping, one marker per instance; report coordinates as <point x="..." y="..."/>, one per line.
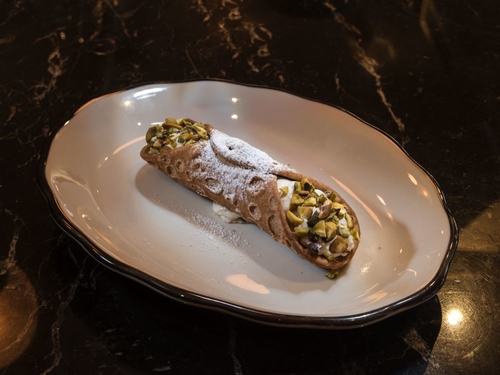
<point x="173" y="133"/>
<point x="323" y="225"/>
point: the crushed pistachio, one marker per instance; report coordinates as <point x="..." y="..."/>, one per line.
<point x="333" y="275"/>
<point x="322" y="225"/>
<point x="173" y="133"/>
<point x="305" y="212"/>
<point x="293" y="219"/>
<point x="284" y="190"/>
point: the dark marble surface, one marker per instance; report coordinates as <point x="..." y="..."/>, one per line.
<point x="426" y="72"/>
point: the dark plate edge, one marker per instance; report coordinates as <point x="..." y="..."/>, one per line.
<point x="194" y="299"/>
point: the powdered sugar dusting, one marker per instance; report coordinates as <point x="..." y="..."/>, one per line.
<point x="213" y="228"/>
<point x="230" y="237"/>
<point x="240" y="152"/>
<point x="235" y="180"/>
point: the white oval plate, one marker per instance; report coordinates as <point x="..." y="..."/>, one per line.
<point x="142" y="224"/>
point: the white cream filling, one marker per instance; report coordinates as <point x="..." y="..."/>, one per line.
<point x="285" y="200"/>
<point x="227" y="215"/>
<point x="350" y="243"/>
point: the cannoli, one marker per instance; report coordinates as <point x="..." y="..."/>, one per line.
<point x="245" y="183"/>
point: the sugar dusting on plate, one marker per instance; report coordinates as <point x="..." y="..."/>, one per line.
<point x="213" y="228"/>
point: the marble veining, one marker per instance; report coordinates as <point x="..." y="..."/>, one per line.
<point x="232" y="349"/>
<point x="10" y="261"/>
<point x="370" y="66"/>
<point x="415" y="342"/>
<point x="56" y="353"/>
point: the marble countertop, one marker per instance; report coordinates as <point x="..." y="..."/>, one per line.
<point x="424" y="72"/>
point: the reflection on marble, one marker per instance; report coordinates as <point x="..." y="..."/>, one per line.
<point x="482" y="234"/>
<point x="18" y="314"/>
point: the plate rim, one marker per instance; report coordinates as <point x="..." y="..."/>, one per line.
<point x="199" y="300"/>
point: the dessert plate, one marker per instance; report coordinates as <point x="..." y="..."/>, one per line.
<point x="138" y="222"/>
